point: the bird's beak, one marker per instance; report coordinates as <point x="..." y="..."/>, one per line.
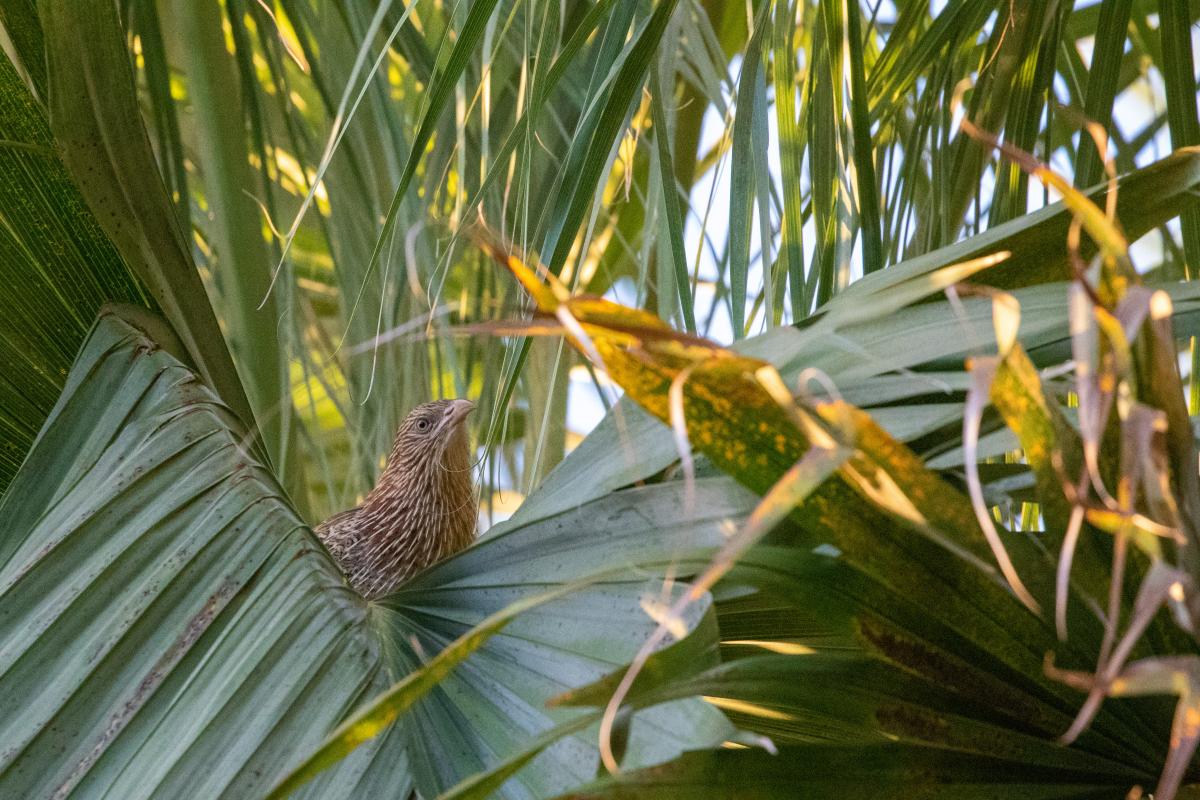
<point x="458" y="411"/>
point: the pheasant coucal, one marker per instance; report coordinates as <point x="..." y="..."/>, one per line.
<point x="421" y="510"/>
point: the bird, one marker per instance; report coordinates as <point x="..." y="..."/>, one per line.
<point x="421" y="510"/>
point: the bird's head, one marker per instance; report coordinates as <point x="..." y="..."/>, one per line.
<point x="423" y="507"/>
<point x="433" y="433"/>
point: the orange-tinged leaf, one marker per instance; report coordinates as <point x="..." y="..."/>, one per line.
<point x="738" y="412"/>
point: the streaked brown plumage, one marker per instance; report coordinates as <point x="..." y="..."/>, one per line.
<point x="421" y="510"/>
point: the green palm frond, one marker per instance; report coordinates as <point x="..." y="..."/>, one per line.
<point x="303" y="191"/>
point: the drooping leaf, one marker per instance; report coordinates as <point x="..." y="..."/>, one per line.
<point x="739" y="413"/>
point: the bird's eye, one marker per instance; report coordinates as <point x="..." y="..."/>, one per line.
<point x="422" y="425"/>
